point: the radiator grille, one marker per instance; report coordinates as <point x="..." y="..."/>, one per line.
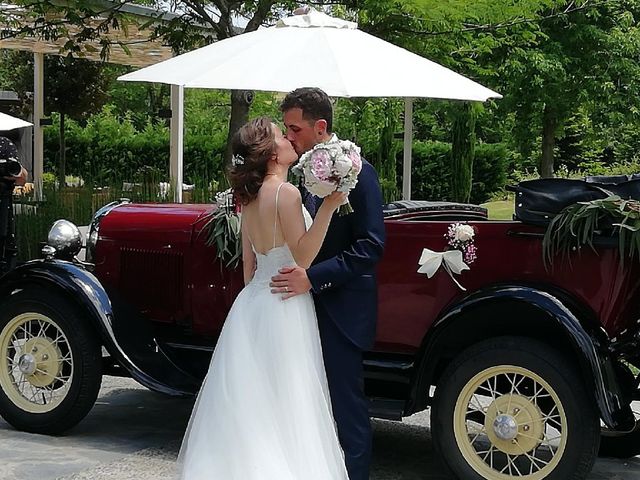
<point x="152" y="278"/>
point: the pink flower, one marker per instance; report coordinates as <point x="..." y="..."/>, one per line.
<point x="470" y="254"/>
<point x="321" y="164"/>
<point x="460" y="236"/>
<point x="356" y="161"/>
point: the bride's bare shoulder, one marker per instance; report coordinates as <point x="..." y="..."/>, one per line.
<point x="289" y="192"/>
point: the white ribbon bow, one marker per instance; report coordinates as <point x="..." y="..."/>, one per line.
<point x="430" y="262"/>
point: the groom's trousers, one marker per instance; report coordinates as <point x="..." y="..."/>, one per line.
<point x="343" y="363"/>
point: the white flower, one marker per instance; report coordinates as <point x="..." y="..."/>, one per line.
<point x="464" y="233"/>
<point x="225" y="199"/>
<point x="333" y="148"/>
<point x="342" y="165"/>
<point x="321" y="189"/>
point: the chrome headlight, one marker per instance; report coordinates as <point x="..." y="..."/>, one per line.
<point x="94" y="228"/>
<point x="65" y="238"/>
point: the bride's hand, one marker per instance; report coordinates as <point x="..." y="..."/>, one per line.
<point x="334" y="200"/>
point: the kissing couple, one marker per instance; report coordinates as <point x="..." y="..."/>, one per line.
<point x="284" y="395"/>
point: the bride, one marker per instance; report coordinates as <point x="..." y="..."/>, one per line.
<point x="264" y="412"/>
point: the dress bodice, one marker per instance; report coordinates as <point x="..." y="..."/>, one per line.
<point x="270" y="262"/>
<point x="267" y="265"/>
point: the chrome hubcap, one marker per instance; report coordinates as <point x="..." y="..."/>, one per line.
<point x="505" y="427"/>
<point x="27" y="364"/>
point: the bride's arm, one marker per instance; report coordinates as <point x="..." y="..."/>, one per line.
<point x="248" y="257"/>
<point x="304" y="245"/>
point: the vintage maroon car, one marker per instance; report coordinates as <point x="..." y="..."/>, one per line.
<point x="525" y="371"/>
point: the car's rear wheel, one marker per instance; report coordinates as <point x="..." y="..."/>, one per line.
<point x="512" y="407"/>
<point x="50" y="363"/>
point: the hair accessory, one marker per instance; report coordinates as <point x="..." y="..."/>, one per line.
<point x="237" y="160"/>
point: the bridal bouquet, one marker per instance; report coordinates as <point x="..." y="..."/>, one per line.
<point x="331" y="166"/>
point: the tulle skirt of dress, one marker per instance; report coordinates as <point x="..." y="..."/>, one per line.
<point x="264" y="411"/>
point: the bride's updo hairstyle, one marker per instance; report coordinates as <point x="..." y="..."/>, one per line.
<point x="252" y="146"/>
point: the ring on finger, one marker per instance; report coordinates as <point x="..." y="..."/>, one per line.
<point x="286" y="288"/>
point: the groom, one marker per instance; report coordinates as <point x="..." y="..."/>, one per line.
<point x="342" y="279"/>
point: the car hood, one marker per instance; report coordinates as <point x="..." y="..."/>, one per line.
<point x="137" y="222"/>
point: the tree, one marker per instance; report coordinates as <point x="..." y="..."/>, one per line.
<point x="462" y="150"/>
<point x="77" y="89"/>
<point x="583" y="61"/>
<point x="553" y="60"/>
<point x="74" y="88"/>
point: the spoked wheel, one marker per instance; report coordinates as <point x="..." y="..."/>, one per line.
<point x="38" y="365"/>
<point x="510" y="432"/>
<point x="513" y="408"/>
<point x="50" y="363"/>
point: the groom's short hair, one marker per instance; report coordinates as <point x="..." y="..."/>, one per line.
<point x="314" y="103"/>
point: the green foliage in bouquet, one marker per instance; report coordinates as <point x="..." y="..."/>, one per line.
<point x="223" y="231"/>
<point x="577" y="224"/>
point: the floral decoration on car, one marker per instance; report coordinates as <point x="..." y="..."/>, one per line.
<point x="460" y="237"/>
<point x="223" y="229"/>
<point x="462" y="251"/>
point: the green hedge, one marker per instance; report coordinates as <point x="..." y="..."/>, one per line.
<point x="431" y="164"/>
<point x="108" y="150"/>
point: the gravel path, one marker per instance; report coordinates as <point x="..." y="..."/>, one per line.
<point x="133" y="433"/>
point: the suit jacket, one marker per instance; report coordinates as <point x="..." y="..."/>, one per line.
<point x="343" y="275"/>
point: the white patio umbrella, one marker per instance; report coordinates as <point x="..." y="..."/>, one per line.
<point x="317" y="50"/>
<point x="7" y="122"/>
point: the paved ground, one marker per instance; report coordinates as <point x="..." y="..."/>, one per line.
<point x="133" y="433"/>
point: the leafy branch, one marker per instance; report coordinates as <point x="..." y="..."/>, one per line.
<point x="577" y="225"/>
<point x="222" y="230"/>
<point x="470" y="27"/>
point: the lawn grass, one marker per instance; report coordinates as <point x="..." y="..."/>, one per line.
<point x="500" y="209"/>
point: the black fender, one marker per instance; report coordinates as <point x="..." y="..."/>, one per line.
<point x="128" y="338"/>
<point x="589" y="343"/>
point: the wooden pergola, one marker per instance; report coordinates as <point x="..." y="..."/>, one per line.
<point x="142" y="52"/>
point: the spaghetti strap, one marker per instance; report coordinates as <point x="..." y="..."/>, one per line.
<point x="275" y="222"/>
<point x="253" y="249"/>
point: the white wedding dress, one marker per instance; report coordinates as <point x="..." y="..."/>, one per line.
<point x="264" y="411"/>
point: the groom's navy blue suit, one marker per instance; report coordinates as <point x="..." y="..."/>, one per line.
<point x="343" y="278"/>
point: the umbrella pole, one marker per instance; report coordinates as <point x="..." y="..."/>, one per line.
<point x="408" y="142"/>
<point x="38" y="114"/>
<point x="177" y="141"/>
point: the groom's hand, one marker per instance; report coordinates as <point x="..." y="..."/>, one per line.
<point x="290" y="281"/>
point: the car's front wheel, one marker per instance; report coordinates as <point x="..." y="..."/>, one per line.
<point x="513" y="407"/>
<point x="50" y="362"/>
